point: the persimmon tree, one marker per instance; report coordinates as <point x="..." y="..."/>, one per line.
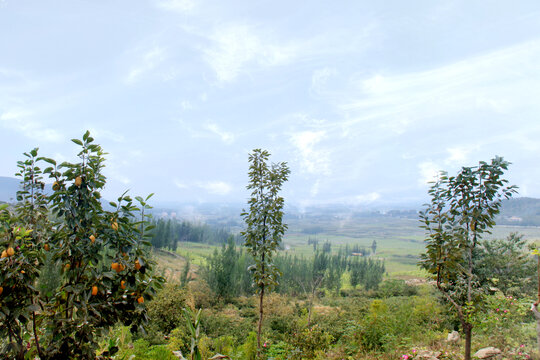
<point x="264" y="223"/>
<point x="462" y="210"/>
<point x="106" y="275"/>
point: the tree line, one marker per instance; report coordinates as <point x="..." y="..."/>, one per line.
<point x="227" y="274"/>
<point x="167" y="233"/>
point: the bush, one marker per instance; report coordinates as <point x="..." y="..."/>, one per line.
<point x="165" y="311"/>
<point x="311" y="341"/>
<point x="395" y="287"/>
<point x="180" y="339"/>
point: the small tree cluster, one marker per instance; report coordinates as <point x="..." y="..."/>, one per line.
<point x="226" y="272"/>
<point x="167" y="233"/>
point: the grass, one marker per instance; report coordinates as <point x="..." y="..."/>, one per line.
<point x="400" y="242"/>
<point x="196" y="252"/>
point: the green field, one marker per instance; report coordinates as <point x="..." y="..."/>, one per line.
<point x="399" y="240"/>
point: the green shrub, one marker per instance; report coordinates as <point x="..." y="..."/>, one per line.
<point x="165" y="310"/>
<point x="278" y="351"/>
<point x="395" y="287"/>
<point x="248" y="350"/>
<point x="310" y="341"/>
<point x="180" y="339"/>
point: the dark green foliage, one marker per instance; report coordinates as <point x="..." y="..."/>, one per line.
<point x="505" y="264"/>
<point x="462" y="210"/>
<point x="66" y="312"/>
<point x="165" y="310"/>
<point x="327" y="247"/>
<point x="264" y="222"/>
<point x="374" y="246"/>
<point x="396" y="287"/>
<point x="367" y="272"/>
<point x="167" y="234"/>
<point x="226" y="272"/>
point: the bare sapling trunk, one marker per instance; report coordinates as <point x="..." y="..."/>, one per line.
<point x="467" y="328"/>
<point x="259" y="328"/>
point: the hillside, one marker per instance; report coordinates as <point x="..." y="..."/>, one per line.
<point x="8" y="188"/>
<point x="523" y="211"/>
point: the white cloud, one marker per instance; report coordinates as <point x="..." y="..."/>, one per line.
<point x="237" y="46"/>
<point x="106" y="134"/>
<point x="180" y="184"/>
<point x="120" y="178"/>
<point x="180" y="6"/>
<point x="225" y="136"/>
<point x="216" y="187"/>
<point x="367" y="198"/>
<point x="186" y="105"/>
<point x="458" y="155"/>
<point x="312" y="160"/>
<point x="397" y="126"/>
<point x="315" y="188"/>
<point x="498" y="81"/>
<point x="148" y="61"/>
<point x="320" y="78"/>
<point x="21" y="121"/>
<point x="428" y="172"/>
<point x="15" y="115"/>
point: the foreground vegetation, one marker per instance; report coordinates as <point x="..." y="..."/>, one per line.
<point x="80" y="281"/>
<point x="395" y="320"/>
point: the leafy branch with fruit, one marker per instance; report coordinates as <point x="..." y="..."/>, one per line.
<point x="95" y="261"/>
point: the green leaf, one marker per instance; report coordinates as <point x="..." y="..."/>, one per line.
<point x="77" y="141"/>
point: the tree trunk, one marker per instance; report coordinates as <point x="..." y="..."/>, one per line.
<point x="538" y="267"/>
<point x="467" y="328"/>
<point x="261" y="297"/>
<point x="309" y="311"/>
<point x="537" y="316"/>
<point x="538" y="335"/>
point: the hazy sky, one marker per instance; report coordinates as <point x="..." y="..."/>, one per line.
<point x="364" y="99"/>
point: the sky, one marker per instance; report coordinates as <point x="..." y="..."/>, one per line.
<point x="365" y="100"/>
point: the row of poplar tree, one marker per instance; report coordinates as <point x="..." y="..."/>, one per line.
<point x="167" y="233"/>
<point x="227" y="274"/>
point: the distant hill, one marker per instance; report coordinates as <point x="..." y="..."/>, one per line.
<point x="8" y="188"/>
<point x="522" y="211"/>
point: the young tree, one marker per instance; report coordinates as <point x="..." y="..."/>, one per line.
<point x="461" y="211"/>
<point x="264" y="223"/>
<point x="221" y="272"/>
<point x="374" y="247"/>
